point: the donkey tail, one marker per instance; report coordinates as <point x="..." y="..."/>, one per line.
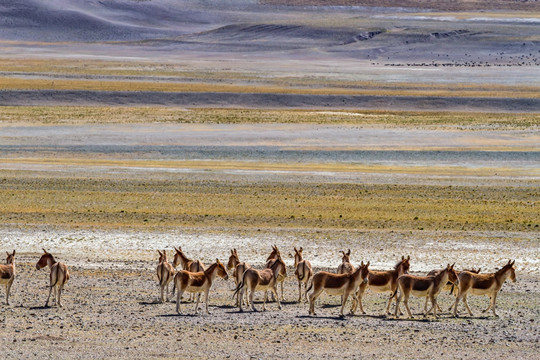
<point x="240" y="284"/>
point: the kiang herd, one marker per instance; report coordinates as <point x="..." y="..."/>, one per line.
<point x="348" y="281"/>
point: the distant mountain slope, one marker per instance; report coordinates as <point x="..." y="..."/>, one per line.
<point x="454" y="5"/>
<point x="93" y="20"/>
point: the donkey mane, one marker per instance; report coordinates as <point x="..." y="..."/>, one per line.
<point x="505" y="268"/>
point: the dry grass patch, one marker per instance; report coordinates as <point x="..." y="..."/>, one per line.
<point x="51" y="115"/>
<point x="183" y="202"/>
<point x="14" y="83"/>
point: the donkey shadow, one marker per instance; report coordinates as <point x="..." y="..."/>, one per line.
<point x="319" y="317"/>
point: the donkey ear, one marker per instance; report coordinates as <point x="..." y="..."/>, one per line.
<point x="409" y="257"/>
<point x="513" y="262"/>
<point x="217" y="260"/>
<point x="362" y="263"/>
<point x="45" y="251"/>
<point x="13" y="252"/>
<point x="301" y="249"/>
<point x="349" y="252"/>
<point x="402" y="257"/>
<point x="369" y="262"/>
<point x="8" y="253"/>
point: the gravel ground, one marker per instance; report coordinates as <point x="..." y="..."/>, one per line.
<point x="115" y="313"/>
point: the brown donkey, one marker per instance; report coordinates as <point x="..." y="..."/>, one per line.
<point x="345" y="266"/>
<point x="450" y="286"/>
<point x="337" y="284"/>
<point x="58" y="277"/>
<point x="383" y="281"/>
<point x="187" y="264"/>
<point x="265" y="280"/>
<point x="484" y="284"/>
<point x="303" y="272"/>
<point x="165" y="273"/>
<point x="7" y="273"/>
<point x="239" y="268"/>
<point x="421" y="286"/>
<point x="282" y="273"/>
<point x="197" y="283"/>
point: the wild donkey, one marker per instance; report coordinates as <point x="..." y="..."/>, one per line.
<point x="303" y="272"/>
<point x="239" y="268"/>
<point x="337" y="284"/>
<point x="345" y="266"/>
<point x="265" y="279"/>
<point x="187" y="264"/>
<point x="7" y="273"/>
<point x="484" y="284"/>
<point x="165" y="273"/>
<point x="450" y="286"/>
<point x="58" y="277"/>
<point x="420" y="286"/>
<point x="197" y="283"/>
<point x="383" y="281"/>
<point x="282" y="273"/>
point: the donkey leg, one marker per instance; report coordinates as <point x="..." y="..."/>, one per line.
<point x="360" y="295"/>
<point x="277" y="298"/>
<point x="251" y="296"/>
<point x="433" y="306"/>
<point x="8" y="288"/>
<point x="48" y="297"/>
<point x="406" y="302"/>
<point x="60" y="288"/>
<point x="314" y="295"/>
<point x="241" y="295"/>
<point x="197" y="304"/>
<point x="206" y="301"/>
<point x="494" y="299"/>
<point x="344" y="297"/>
<point x="425" y="306"/>
<point x="178" y="299"/>
<point x="456" y="304"/>
<point x="467" y="305"/>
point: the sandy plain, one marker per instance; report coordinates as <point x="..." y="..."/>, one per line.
<point x="131" y="126"/>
